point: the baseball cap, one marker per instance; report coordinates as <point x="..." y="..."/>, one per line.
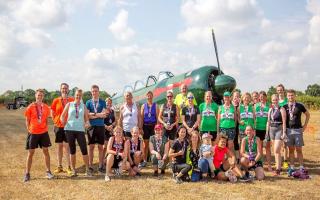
<point x="158" y="126"/>
<point x="226" y="94"/>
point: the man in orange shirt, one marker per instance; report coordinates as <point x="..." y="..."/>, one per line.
<point x="57" y="107"/>
<point x="37" y="115"/>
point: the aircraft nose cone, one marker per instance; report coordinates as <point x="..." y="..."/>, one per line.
<point x="224" y="83"/>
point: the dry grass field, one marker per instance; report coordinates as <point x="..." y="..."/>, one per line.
<point x="13" y="156"/>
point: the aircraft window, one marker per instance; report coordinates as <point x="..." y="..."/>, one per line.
<point x="138" y="85"/>
<point x="164" y="75"/>
<point x="127" y="88"/>
<point x="151" y="81"/>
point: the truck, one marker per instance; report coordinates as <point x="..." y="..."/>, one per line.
<point x="17" y="102"/>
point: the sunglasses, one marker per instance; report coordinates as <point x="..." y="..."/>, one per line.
<point x="190" y="97"/>
<point x="169" y="96"/>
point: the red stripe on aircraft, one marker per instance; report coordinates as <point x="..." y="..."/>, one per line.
<point x="159" y="91"/>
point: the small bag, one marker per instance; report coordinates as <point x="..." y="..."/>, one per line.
<point x="196" y="175"/>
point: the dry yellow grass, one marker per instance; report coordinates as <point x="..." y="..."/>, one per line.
<point x="13" y="156"/>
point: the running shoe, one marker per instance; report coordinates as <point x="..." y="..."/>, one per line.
<point x="49" y="175"/>
<point x="244" y="179"/>
<point x="142" y="164"/>
<point x="26" y="177"/>
<point x="285" y="165"/>
<point x="69" y="171"/>
<point x="91" y="170"/>
<point x="59" y="169"/>
<point x="73" y="173"/>
<point x="155" y="173"/>
<point x="88" y="173"/>
<point x="178" y="180"/>
<point x="138" y="174"/>
<point x="117" y="172"/>
<point x="101" y="170"/>
<point x="290" y="171"/>
<point x="107" y="178"/>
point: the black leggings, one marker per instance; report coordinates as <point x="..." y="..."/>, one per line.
<point x="183" y="168"/>
<point x="72" y="136"/>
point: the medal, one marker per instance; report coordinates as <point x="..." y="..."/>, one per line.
<point x="227" y="109"/>
<point x="63" y="102"/>
<point x="110" y="121"/>
<point x="149" y="115"/>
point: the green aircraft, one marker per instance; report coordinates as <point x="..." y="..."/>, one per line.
<point x="198" y="82"/>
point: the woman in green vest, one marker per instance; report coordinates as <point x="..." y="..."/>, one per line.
<point x="246" y="115"/>
<point x="227" y="120"/>
<point x="261" y="110"/>
<point x="208" y="116"/>
<point x="250" y="152"/>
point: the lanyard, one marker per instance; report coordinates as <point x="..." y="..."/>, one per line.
<point x="39" y="112"/>
<point x="291" y="110"/>
<point x="95" y="105"/>
<point x="77" y="110"/>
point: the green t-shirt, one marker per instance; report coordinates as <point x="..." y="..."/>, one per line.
<point x="284" y="102"/>
<point x="182" y="101"/>
<point x="208" y="116"/>
<point x="227" y="117"/>
<point x="262" y="116"/>
<point x="246" y="116"/>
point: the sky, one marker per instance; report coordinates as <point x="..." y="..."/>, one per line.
<point x="113" y="43"/>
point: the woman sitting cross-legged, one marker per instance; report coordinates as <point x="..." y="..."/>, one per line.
<point x="117" y="156"/>
<point x="135" y="151"/>
<point x="250" y="152"/>
<point x="178" y="151"/>
<point x="159" y="147"/>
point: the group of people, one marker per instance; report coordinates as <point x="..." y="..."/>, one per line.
<point x="197" y="142"/>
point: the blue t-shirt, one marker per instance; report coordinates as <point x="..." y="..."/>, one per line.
<point x="96" y="107"/>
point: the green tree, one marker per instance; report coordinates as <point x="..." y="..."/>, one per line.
<point x="272" y="90"/>
<point x="313" y="90"/>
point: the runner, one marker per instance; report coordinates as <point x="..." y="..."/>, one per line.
<point x="193" y="155"/>
<point x="74" y="118"/>
<point x="57" y="107"/>
<point x="295" y="129"/>
<point x="255" y="98"/>
<point x="225" y="162"/>
<point x="169" y="117"/>
<point x="129" y="115"/>
<point x="159" y="149"/>
<point x="178" y="152"/>
<point x="251" y="154"/>
<point x="117" y="156"/>
<point x="109" y="124"/>
<point x="135" y="151"/>
<point x="227" y="120"/>
<point x="97" y="113"/>
<point x="276" y="127"/>
<point x="236" y="103"/>
<point x="246" y="115"/>
<point x="283" y="100"/>
<point x="37" y="115"/>
<point x="190" y="115"/>
<point x="149" y="113"/>
<point x="208" y="116"/>
<point x="261" y="109"/>
<point x="181" y="100"/>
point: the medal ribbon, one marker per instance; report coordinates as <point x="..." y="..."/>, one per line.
<point x="95" y="105"/>
<point x="77" y="110"/>
<point x="39" y="112"/>
<point x="291" y="109"/>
